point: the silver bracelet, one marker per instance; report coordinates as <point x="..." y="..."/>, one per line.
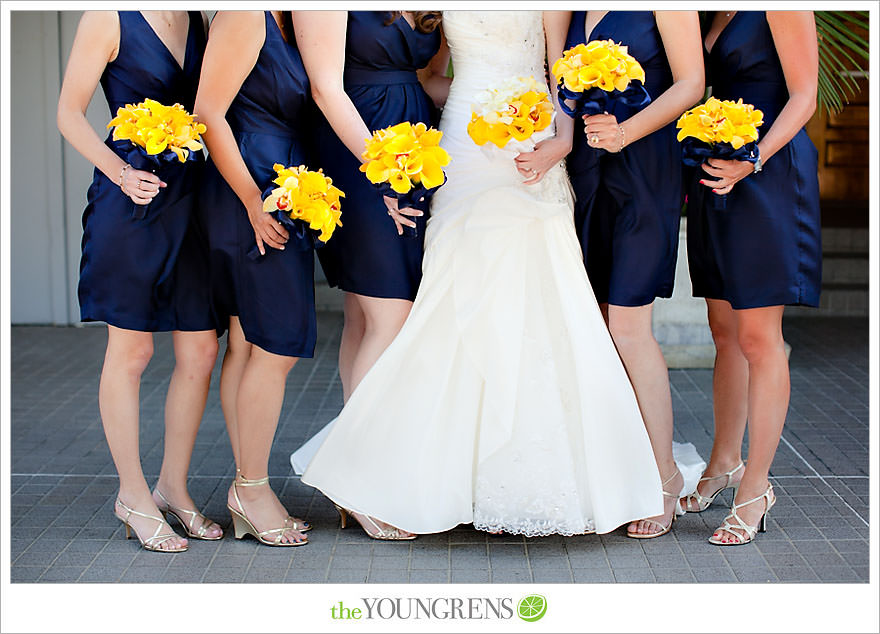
<point x="622" y="137"/>
<point x="122" y="178"/>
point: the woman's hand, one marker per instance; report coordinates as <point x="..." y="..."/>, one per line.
<point x="140" y="186"/>
<point x="267" y="230"/>
<point x="603" y="131"/>
<point x="728" y="173"/>
<point x="547" y="153"/>
<point x="399" y="216"/>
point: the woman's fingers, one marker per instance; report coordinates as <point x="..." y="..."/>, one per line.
<point x="260" y="246"/>
<point x="277" y="231"/>
<point x="714" y="171"/>
<point x="400" y="219"/>
<point x="410" y="211"/>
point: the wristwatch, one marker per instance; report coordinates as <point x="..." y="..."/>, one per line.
<point x="758" y="165"/>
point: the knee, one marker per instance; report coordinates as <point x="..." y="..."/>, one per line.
<point x="137" y="356"/>
<point x="199" y="357"/>
<point x="724" y="335"/>
<point x="629" y="334"/>
<point x="758" y="345"/>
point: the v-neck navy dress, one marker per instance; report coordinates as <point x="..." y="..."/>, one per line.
<point x="150" y="273"/>
<point x="273" y="295"/>
<point x="629" y="208"/>
<point x="765" y="247"/>
<point x="366" y="255"/>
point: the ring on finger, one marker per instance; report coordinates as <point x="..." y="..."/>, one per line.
<point x="594" y="139"/>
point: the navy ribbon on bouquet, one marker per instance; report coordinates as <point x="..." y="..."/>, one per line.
<point x="138" y="158"/>
<point x="695" y="152"/>
<point x="596" y="101"/>
<point x="417" y="198"/>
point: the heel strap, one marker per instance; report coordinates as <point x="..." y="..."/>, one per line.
<point x="193" y="516"/>
<point x="765" y="495"/>
<point x="668" y="480"/>
<point x="242" y="481"/>
<point x="728" y="475"/>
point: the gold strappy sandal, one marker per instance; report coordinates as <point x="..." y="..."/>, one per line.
<point x="154" y="542"/>
<point x="702" y="502"/>
<point x="662" y="530"/>
<point x="385" y="534"/>
<point x="300" y="526"/>
<point x="750" y="531"/>
<point x="166" y="508"/>
<point x="243" y="526"/>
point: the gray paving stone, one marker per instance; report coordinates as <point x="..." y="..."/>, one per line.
<point x="63" y="524"/>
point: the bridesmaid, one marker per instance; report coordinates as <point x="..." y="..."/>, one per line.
<point x="143" y="275"/>
<point x="768" y="59"/>
<point x="253" y="94"/>
<point x="631" y="215"/>
<point x="363" y="67"/>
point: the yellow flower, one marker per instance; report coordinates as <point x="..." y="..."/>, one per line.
<point x="599" y="63"/>
<point x="717" y="121"/>
<point x="308" y="196"/>
<point x="157" y="128"/>
<point x="514" y="109"/>
<point x="403" y="155"/>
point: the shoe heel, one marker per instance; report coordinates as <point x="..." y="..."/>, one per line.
<point x="127" y="531"/>
<point x="763" y="527"/>
<point x="343" y="517"/>
<point x="241" y="526"/>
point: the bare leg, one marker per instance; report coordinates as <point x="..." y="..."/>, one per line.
<point x="632" y="334"/>
<point x="352" y="336"/>
<point x="259" y="400"/>
<point x="383" y="319"/>
<point x="238" y="351"/>
<point x="760" y="339"/>
<point x="730" y="381"/>
<point x="195" y="354"/>
<point x="127" y="356"/>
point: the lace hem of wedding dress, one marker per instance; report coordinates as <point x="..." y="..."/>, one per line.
<point x="533" y="528"/>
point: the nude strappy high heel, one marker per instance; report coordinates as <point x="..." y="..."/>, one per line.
<point x="166" y="508"/>
<point x="386" y="534"/>
<point x="703" y="502"/>
<point x="662" y="530"/>
<point x="154" y="542"/>
<point x="243" y="526"/>
<point x="300" y="526"/>
<point x="750" y="531"/>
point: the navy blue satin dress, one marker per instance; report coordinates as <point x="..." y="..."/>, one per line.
<point x="148" y="274"/>
<point x="366" y="255"/>
<point x="273" y="295"/>
<point x="765" y="248"/>
<point x="628" y="210"/>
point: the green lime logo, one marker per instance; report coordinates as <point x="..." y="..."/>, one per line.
<point x="532" y="608"/>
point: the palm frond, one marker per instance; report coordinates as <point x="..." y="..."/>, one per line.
<point x="841" y="47"/>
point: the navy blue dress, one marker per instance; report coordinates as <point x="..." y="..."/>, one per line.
<point x="148" y="274"/>
<point x="272" y="295"/>
<point x="366" y="255"/>
<point x="765" y="248"/>
<point x="628" y="211"/>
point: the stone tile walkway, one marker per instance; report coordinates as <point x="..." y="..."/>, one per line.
<point x="63" y="483"/>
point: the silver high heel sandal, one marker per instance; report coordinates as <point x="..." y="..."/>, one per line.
<point x="243" y="525"/>
<point x="154" y="542"/>
<point x="386" y="534"/>
<point x="750" y="531"/>
<point x="662" y="530"/>
<point x="702" y="502"/>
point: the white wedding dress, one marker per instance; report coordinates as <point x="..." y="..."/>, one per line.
<point x="502" y="401"/>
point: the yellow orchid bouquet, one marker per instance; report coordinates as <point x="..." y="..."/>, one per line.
<point x="714" y="122"/>
<point x="597" y="73"/>
<point x="726" y="130"/>
<point x="156" y="136"/>
<point x="304" y="199"/>
<point x="165" y="132"/>
<point x="512" y="110"/>
<point x="405" y="161"/>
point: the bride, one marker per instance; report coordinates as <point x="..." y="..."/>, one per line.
<point x="502" y="402"/>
